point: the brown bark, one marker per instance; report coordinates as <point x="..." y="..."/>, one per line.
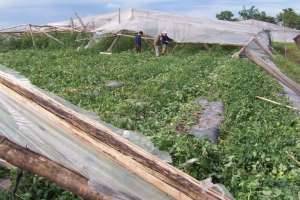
<point x="32" y="162"/>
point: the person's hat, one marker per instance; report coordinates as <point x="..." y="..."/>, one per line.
<point x="164" y="32"/>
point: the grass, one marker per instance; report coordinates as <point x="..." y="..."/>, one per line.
<point x="158" y="93"/>
<point x="290" y="65"/>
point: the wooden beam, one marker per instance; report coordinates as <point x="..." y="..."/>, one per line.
<point x="114" y="42"/>
<point x="126" y="162"/>
<point x="164" y="176"/>
<point x="52" y="37"/>
<point x="30" y="161"/>
<point x="132" y="36"/>
<point x="81" y="22"/>
<point x="263" y="48"/>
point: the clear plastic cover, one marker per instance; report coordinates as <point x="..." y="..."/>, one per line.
<point x="182" y="28"/>
<point x="25" y="123"/>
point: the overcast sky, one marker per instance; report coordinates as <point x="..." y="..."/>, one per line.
<point x="42" y="11"/>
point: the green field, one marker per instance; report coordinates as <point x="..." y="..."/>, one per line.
<point x="288" y="60"/>
<point x="252" y="157"/>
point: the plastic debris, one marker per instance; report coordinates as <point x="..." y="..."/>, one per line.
<point x="190" y="162"/>
<point x="114" y="84"/>
<point x="208" y="184"/>
<point x="209" y="121"/>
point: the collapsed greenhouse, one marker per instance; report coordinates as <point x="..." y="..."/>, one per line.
<point x="96" y="160"/>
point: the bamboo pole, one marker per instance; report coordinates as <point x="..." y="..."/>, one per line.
<point x="277" y="103"/>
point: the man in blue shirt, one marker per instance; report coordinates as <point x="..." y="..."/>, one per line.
<point x="165" y="40"/>
<point x="138" y="42"/>
<point x="161" y="42"/>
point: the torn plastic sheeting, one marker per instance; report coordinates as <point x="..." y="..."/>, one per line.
<point x="134" y="137"/>
<point x="258" y="51"/>
<point x="23" y="124"/>
<point x="209" y="121"/>
<point x="219" y="187"/>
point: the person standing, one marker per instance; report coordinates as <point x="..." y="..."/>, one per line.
<point x="138" y="42"/>
<point x="165" y="40"/>
<point x="161" y="43"/>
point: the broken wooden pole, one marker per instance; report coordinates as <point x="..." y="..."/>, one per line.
<point x="114" y="42"/>
<point x="32" y="162"/>
<point x="81" y="22"/>
<point x="52" y="37"/>
<point x="277" y="103"/>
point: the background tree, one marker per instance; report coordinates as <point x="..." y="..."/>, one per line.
<point x="250" y="13"/>
<point x="288" y="17"/>
<point x="254" y="13"/>
<point x="226" y="15"/>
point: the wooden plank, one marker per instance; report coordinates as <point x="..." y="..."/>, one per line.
<point x="162" y="171"/>
<point x="103" y="149"/>
<point x="30" y="161"/>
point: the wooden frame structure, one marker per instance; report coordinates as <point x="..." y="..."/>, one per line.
<point x="266" y="63"/>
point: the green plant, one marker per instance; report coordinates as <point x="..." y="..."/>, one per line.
<point x="159" y="93"/>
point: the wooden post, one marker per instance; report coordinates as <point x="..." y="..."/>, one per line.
<point x="132" y="14"/>
<point x="119" y="14"/>
<point x="31" y="34"/>
<point x="72" y="25"/>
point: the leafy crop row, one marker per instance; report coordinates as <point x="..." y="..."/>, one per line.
<point x="252" y="158"/>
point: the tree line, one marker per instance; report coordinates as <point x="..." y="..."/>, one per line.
<point x="287" y="17"/>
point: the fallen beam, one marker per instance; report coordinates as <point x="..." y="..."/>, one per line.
<point x="272" y="69"/>
<point x="162" y="176"/>
<point x="262" y="56"/>
<point x="30" y="161"/>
